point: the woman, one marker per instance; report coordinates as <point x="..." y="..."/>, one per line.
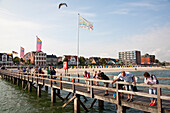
<point x="95" y="76"/>
<point x="151" y="79"/>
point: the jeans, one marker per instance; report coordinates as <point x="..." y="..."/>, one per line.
<point x="152" y="91"/>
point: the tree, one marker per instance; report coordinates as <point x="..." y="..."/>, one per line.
<point x="157" y="61"/>
<point x="16" y="60"/>
<point x="65" y="59"/>
<point x="22" y="60"/>
<point x="28" y="61"/>
<point x="82" y="60"/>
<point x="102" y="61"/>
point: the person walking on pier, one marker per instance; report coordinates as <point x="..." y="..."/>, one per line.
<point x="48" y="71"/>
<point x="53" y="72"/>
<point x="151" y="79"/>
<point x="95" y="76"/>
<point x="87" y="75"/>
<point x="127" y="77"/>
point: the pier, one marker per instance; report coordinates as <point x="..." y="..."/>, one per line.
<point x="76" y="87"/>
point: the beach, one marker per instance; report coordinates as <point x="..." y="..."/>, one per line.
<point x="117" y="69"/>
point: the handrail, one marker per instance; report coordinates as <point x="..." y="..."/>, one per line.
<point x="98" y="87"/>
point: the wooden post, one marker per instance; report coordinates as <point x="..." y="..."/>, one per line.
<point x="91" y="89"/>
<point x="60" y="82"/>
<point x="78" y="79"/>
<point x="73" y="86"/>
<point x="22" y="83"/>
<point x="53" y="95"/>
<point x="101" y="104"/>
<point x="38" y="90"/>
<point x="17" y="81"/>
<point x="29" y="86"/>
<point x="77" y="104"/>
<point x="120" y="108"/>
<point x="159" y="101"/>
<point x="68" y="78"/>
<point x="46" y="88"/>
<point x="13" y="80"/>
<point x="58" y="91"/>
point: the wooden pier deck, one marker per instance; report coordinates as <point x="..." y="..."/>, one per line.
<point x="77" y="87"/>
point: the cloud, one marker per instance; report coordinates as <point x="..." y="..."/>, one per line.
<point x="156" y="41"/>
<point x="5" y="12"/>
<point x="120" y="11"/>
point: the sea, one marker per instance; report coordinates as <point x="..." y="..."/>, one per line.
<point x="14" y="99"/>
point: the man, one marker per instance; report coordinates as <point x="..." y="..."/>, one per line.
<point x="127" y="77"/>
<point x="102" y="76"/>
<point x="53" y="72"/>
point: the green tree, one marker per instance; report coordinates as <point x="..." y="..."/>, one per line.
<point x="65" y="59"/>
<point x="102" y="61"/>
<point x="157" y="61"/>
<point x="22" y="60"/>
<point x="16" y="60"/>
<point x="28" y="61"/>
<point x="82" y="60"/>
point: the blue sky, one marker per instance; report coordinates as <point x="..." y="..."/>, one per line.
<point x="119" y="25"/>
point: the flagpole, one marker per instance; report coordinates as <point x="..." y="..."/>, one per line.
<point x="78" y="46"/>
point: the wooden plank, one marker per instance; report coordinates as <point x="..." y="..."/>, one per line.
<point x="68" y="101"/>
<point x="83" y="106"/>
<point x="92" y="103"/>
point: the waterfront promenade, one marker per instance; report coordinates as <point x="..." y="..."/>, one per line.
<point x="77" y="87"/>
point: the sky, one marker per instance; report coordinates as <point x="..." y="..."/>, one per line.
<point x="119" y="25"/>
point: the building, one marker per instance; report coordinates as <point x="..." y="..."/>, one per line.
<point x="94" y="60"/>
<point x="148" y="59"/>
<point x="72" y="60"/>
<point x="111" y="60"/>
<point x="6" y="59"/>
<point x="36" y="58"/>
<point x="130" y="57"/>
<point x="51" y="60"/>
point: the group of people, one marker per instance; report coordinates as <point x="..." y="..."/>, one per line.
<point x="126" y="77"/>
<point x="97" y="75"/>
<point x="148" y="79"/>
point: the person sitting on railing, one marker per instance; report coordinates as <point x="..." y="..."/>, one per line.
<point x="87" y="75"/>
<point x="127" y="77"/>
<point x="102" y="76"/>
<point x="151" y="79"/>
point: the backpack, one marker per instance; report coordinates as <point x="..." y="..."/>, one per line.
<point x="157" y="82"/>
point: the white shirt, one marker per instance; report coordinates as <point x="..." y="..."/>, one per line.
<point x="128" y="77"/>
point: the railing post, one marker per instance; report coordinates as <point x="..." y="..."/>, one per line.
<point x="91" y="89"/>
<point x="51" y="82"/>
<point x="159" y="100"/>
<point x="69" y="78"/>
<point x="120" y="108"/>
<point x="78" y="79"/>
<point x="60" y="81"/>
<point x="73" y="86"/>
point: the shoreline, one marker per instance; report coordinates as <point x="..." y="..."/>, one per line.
<point x="107" y="70"/>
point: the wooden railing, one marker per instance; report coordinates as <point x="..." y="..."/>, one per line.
<point x="76" y="82"/>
